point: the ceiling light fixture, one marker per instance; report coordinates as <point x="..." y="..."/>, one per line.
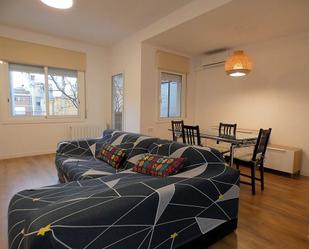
<point x="59" y="4"/>
<point x="239" y="64"/>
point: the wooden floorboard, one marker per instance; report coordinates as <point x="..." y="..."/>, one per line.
<point x="278" y="218"/>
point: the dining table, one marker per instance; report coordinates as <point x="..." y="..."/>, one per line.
<point x="242" y="138"/>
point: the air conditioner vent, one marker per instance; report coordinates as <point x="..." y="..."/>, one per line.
<point x="214" y="57"/>
<point x="216" y="51"/>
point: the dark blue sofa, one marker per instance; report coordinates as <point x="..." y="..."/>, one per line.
<point x="115" y="210"/>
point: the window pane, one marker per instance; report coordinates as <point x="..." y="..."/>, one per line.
<point x="175" y="97"/>
<point x="27" y="90"/>
<point x="164" y="100"/>
<point x="170" y="95"/>
<point x="117" y="88"/>
<point x="63" y="92"/>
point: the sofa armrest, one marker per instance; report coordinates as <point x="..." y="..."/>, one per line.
<point x="85" y="147"/>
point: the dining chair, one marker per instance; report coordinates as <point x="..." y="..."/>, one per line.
<point x="191" y="135"/>
<point x="176" y="129"/>
<point x="254" y="159"/>
<point x="225" y="130"/>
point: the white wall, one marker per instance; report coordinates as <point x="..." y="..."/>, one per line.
<point x="150" y="123"/>
<point x="31" y="139"/>
<point x="126" y="56"/>
<point x="275" y="94"/>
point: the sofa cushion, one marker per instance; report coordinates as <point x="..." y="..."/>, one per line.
<point x="195" y="155"/>
<point x="157" y="165"/>
<point x="77" y="168"/>
<point x="136" y="145"/>
<point x="112" y="155"/>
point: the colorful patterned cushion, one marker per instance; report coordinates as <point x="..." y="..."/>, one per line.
<point x="157" y="165"/>
<point x="113" y="155"/>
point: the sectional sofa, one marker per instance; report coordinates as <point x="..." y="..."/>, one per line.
<point x="97" y="206"/>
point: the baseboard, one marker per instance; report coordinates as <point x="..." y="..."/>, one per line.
<point x="304" y="173"/>
<point x="27" y="154"/>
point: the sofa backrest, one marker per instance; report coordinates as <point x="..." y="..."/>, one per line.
<point x="195" y="155"/>
<point x="135" y="144"/>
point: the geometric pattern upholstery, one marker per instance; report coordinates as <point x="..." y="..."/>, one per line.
<point x="135" y="144"/>
<point x="75" y="160"/>
<point x="125" y="210"/>
<point x="76" y="168"/>
<point x="195" y="155"/>
<point x="128" y="209"/>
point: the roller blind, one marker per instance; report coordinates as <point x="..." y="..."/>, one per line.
<point x="26" y="68"/>
<point x="170" y="77"/>
<point x="62" y="72"/>
<point x="16" y="51"/>
<point x="173" y="62"/>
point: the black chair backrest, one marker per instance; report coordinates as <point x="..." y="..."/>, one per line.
<point x="191" y="135"/>
<point x="176" y="128"/>
<point x="227" y="129"/>
<point x="261" y="144"/>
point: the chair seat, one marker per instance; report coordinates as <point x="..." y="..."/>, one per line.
<point x="244" y="154"/>
<point x="221" y="148"/>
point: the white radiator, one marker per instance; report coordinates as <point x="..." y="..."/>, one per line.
<point x="82" y="131"/>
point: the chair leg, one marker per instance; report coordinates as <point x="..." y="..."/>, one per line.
<point x="262" y="176"/>
<point x="237" y="166"/>
<point x="253" y="178"/>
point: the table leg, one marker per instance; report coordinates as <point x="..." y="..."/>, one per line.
<point x="232" y="155"/>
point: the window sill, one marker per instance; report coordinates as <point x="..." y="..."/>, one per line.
<point x="168" y="120"/>
<point x="17" y="121"/>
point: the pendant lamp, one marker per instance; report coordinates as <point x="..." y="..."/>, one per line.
<point x="238" y="64"/>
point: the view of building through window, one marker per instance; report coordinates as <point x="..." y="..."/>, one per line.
<point x="28" y="91"/>
<point x="170" y="95"/>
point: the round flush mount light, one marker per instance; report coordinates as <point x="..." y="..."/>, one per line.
<point x="239" y="64"/>
<point x="58" y="4"/>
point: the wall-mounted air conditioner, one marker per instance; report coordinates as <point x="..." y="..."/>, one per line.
<point x="213" y="58"/>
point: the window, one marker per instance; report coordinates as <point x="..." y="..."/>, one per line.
<point x="43" y="92"/>
<point x="27" y="85"/>
<point x="117" y="101"/>
<point x="62" y="92"/>
<point x="171" y="95"/>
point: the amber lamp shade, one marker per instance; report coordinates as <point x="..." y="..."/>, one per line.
<point x="238" y="64"/>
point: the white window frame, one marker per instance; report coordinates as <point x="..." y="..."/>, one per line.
<point x="6" y="114"/>
<point x="182" y="100"/>
<point x="112" y="101"/>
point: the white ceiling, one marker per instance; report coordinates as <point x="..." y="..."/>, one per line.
<point x="97" y="21"/>
<point x="237" y="23"/>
